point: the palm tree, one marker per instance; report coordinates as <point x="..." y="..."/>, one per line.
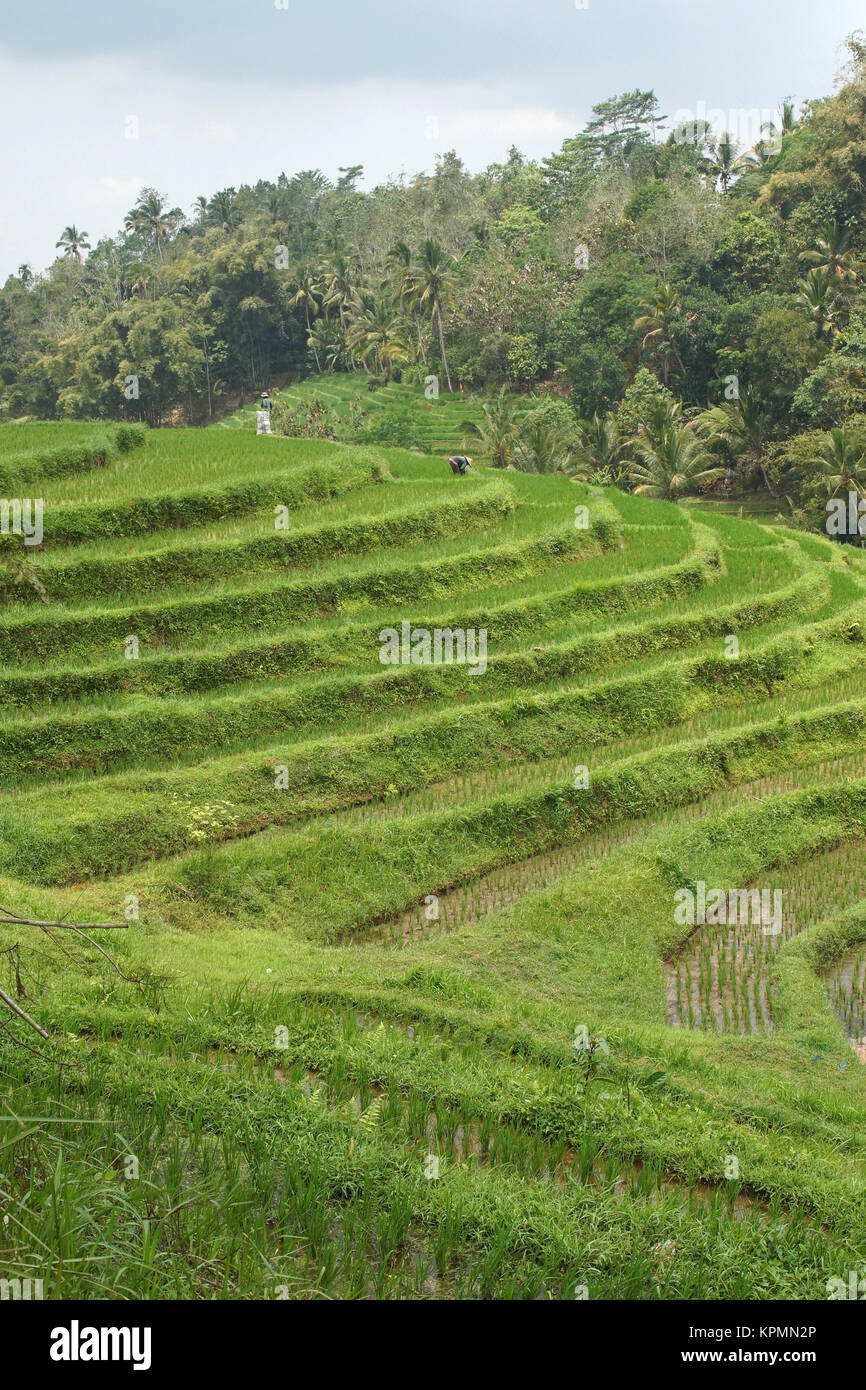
<point x="659" y="416"/>
<point x="817" y="295"/>
<point x="25" y="274"/>
<point x="725" y="161"/>
<point x="379" y="329"/>
<point x="339" y="288"/>
<point x="656" y="322"/>
<point x="199" y="208"/>
<point x="600" y="450"/>
<point x="678" y="463"/>
<point x="435" y="276"/>
<point x="327" y="342"/>
<point x="222" y="210"/>
<point x="842" y="464"/>
<point x="744" y="427"/>
<point x="305" y="297"/>
<point x="138" y="279"/>
<point x="406" y="287"/>
<point x="151" y="219"/>
<point x="73" y="242"/>
<point x="542" y="447"/>
<point x="834" y="254"/>
<point x="776" y="131"/>
<point x="277" y="208"/>
<point x="496" y="433"/>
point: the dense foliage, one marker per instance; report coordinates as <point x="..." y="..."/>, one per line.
<point x="697" y="308"/>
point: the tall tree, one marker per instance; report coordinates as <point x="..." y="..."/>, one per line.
<point x="435" y="280"/>
<point x="834" y="255"/>
<point x="726" y="161"/>
<point x="406" y="287"/>
<point x="73" y="242"/>
<point x="152" y="219"/>
<point x="655" y="325"/>
<point x="378" y="329"/>
<point x="305" y="297"/>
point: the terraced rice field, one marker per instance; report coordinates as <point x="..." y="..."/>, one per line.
<point x="379" y="917"/>
<point x="437" y="422"/>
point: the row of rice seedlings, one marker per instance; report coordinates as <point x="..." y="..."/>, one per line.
<point x="789" y="702"/>
<point x="469" y="902"/>
<point x="457" y="1133"/>
<point x="847" y="984"/>
<point x="482" y="784"/>
<point x="345" y="1241"/>
<point x="722" y="984"/>
<point x="723" y="980"/>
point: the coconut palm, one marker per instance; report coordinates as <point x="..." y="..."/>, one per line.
<point x="655" y="325"/>
<point x="677" y="464"/>
<point x="435" y="278"/>
<point x="725" y="161"/>
<point x="379" y="330"/>
<point x="600" y="450"/>
<point x="744" y="427"/>
<point x="306" y="297"/>
<point x="542" y="447"/>
<point x="327" y="342"/>
<point x="842" y="464"/>
<point x="658" y="417"/>
<point x="139" y="279"/>
<point x="833" y="254"/>
<point x="222" y="210"/>
<point x="775" y="131"/>
<point x="151" y="219"/>
<point x="497" y="431"/>
<point x="818" y="297"/>
<point x="277" y="209"/>
<point x="339" y="289"/>
<point x="406" y="289"/>
<point x="73" y="242"/>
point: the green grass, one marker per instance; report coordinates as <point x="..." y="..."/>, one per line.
<point x="436" y="424"/>
<point x="368" y="906"/>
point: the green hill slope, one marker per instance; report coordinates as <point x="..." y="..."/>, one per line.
<point x="436" y="424"/>
<point x="381" y="912"/>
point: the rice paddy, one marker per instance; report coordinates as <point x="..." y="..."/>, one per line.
<point x="404" y="1005"/>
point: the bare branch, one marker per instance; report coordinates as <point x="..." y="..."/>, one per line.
<point x="11" y="919"/>
<point x="16" y="1009"/>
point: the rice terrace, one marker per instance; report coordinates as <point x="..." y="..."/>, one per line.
<point x="428" y="882"/>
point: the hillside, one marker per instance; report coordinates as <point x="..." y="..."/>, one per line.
<point x="406" y="1006"/>
<point x="435" y="426"/>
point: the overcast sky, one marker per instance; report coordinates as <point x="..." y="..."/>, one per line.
<point x="220" y="92"/>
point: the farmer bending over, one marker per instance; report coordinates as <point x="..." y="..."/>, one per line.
<point x="459" y="463"/>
